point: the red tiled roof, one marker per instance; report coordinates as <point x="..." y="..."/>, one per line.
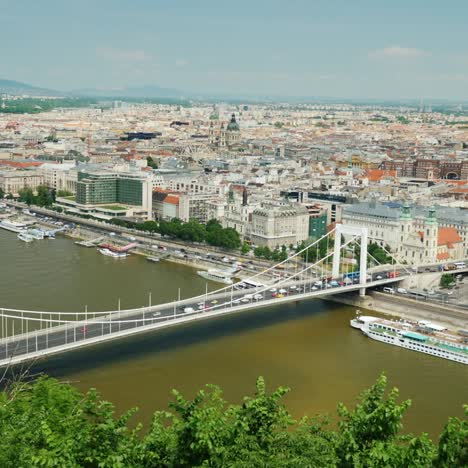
<point x="442" y="256"/>
<point x="374" y="175"/>
<point x="21" y="164"/>
<point x="172" y="199"/>
<point x="448" y="236"/>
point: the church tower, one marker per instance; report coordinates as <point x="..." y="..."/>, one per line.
<point x="431" y="230"/>
<point x="406" y="225"/>
<point x="222" y="136"/>
<point x="211" y="134"/>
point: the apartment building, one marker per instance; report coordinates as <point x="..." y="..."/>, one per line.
<point x="13" y="181"/>
<point x="275" y="225"/>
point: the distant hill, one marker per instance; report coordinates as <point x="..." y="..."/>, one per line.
<point x="16" y="88"/>
<point x="149" y="91"/>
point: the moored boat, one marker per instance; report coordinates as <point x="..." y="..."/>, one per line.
<point x="359" y="321"/>
<point x="423" y="336"/>
<point x="25" y="237"/>
<point x="216" y="275"/>
<point x="110" y="253"/>
<point x="36" y="233"/>
<point x="13" y="226"/>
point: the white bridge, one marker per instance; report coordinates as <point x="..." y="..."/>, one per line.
<point x="28" y="335"/>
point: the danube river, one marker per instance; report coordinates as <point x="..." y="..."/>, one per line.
<point x="308" y="347"/>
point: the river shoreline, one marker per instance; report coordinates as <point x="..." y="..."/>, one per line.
<point x="406" y="308"/>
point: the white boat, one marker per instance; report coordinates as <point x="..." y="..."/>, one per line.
<point x="13" y="226"/>
<point x="36" y="233"/>
<point x="110" y="253"/>
<point x="25" y="237"/>
<point x="359" y="321"/>
<point x="418" y="337"/>
<point x="216" y="275"/>
<point x="153" y="259"/>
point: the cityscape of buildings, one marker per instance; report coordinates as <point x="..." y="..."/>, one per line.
<point x="278" y="174"/>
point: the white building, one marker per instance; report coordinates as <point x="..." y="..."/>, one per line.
<point x="417" y="235"/>
<point x="275" y="225"/>
<point x="60" y="176"/>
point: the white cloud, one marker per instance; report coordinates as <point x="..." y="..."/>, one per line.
<point x="398" y="52"/>
<point x="181" y="62"/>
<point x="123" y="55"/>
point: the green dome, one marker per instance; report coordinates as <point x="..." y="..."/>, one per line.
<point x="233" y="126"/>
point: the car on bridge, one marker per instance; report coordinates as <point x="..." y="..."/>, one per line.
<point x="393" y="274"/>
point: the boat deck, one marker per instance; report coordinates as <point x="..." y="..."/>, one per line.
<point x="445" y="339"/>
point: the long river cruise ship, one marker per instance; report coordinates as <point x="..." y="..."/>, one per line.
<point x="423" y="336"/>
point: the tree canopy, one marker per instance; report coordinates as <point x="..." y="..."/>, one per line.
<point x="192" y="231"/>
<point x="44" y="197"/>
<point x="48" y="423"/>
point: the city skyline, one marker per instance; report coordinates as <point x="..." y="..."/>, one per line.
<point x="341" y="51"/>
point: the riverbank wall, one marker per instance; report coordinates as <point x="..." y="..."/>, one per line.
<point x="403" y="307"/>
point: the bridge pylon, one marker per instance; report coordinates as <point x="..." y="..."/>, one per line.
<point x="355" y="231"/>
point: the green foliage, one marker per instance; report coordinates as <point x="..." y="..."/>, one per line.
<point x="263" y="252"/>
<point x="374" y="250"/>
<point x="2" y="194"/>
<point x="402" y="119"/>
<point x="47" y="423"/>
<point x="245" y="249"/>
<point x="151" y="162"/>
<point x="37" y="105"/>
<point x="26" y="195"/>
<point x="193" y="231"/>
<point x="446" y="280"/>
<point x="277" y="255"/>
<point x="44" y="197"/>
<point x="64" y="193"/>
<point x="279" y="124"/>
<point x="316" y="251"/>
<point x="378" y="253"/>
<point x="453" y="443"/>
<point x="218" y="236"/>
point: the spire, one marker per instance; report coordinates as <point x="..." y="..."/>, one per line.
<point x="406" y="212"/>
<point x="431" y="216"/>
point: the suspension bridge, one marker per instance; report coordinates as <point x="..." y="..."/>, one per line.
<point x="28" y="335"/>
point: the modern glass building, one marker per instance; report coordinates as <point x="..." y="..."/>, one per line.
<point x="317" y="226"/>
<point x="98" y="188"/>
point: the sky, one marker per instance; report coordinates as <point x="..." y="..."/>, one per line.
<point x="383" y="49"/>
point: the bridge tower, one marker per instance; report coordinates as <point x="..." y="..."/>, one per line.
<point x="345" y="230"/>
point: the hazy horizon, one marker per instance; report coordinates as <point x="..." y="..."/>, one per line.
<point x="310" y="49"/>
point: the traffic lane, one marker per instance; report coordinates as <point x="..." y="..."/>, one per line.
<point x="87" y="330"/>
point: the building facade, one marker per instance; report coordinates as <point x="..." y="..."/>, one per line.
<point x="13" y="181"/>
<point x="415" y="234"/>
<point x="277" y="225"/>
<point x="111" y="194"/>
<point x="428" y="168"/>
<point x="225" y="136"/>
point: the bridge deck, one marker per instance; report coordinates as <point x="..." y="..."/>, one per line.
<point x="119" y="324"/>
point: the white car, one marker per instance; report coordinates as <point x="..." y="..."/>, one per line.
<point x="273" y="290"/>
<point x="258" y="297"/>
